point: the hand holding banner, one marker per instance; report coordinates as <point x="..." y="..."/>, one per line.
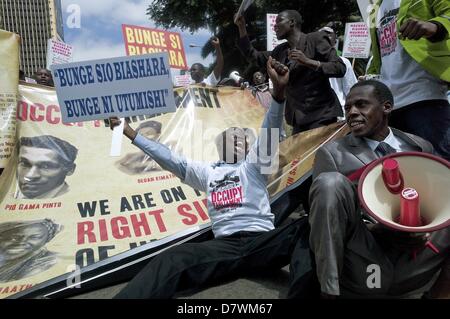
<point x="244" y="6"/>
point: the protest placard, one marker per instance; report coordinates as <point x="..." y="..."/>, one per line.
<point x="356" y="41"/>
<point x="140" y="40"/>
<point x="123" y="87"/>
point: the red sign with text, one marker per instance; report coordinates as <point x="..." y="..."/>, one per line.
<point x="140" y="40"/>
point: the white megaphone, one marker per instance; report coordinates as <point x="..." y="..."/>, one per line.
<point x="421" y="205"/>
<point x="236" y="77"/>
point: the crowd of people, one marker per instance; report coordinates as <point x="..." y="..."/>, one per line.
<point x="333" y="246"/>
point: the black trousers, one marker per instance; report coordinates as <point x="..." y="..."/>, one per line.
<point x="194" y="265"/>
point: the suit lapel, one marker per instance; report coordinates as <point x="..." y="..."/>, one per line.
<point x="360" y="149"/>
<point x="408" y="139"/>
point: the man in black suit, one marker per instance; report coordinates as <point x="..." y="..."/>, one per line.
<point x="312" y="60"/>
<point x="347" y="250"/>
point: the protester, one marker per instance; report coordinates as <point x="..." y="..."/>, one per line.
<point x="310" y="101"/>
<point x="22" y="248"/>
<point x="44" y="163"/>
<point x="198" y="70"/>
<point x="341" y="86"/>
<point x="411" y="52"/>
<point x="238" y="205"/>
<point x="44" y="77"/>
<point x="344" y="246"/>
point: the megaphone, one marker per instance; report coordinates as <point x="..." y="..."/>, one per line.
<point x="236" y="77"/>
<point x="426" y="182"/>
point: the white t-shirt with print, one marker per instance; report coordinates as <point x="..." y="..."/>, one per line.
<point x="408" y="81"/>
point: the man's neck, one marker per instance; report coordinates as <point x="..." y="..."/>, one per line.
<point x="381" y="135"/>
<point x="294" y="38"/>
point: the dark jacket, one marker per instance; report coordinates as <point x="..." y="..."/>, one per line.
<point x="309" y="96"/>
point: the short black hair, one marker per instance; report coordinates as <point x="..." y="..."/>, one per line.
<point x="295" y="15"/>
<point x="381" y="91"/>
<point x="66" y="151"/>
<point x="201" y="66"/>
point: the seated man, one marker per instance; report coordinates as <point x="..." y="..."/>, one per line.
<point x="242" y="223"/>
<point x="198" y="70"/>
<point x="344" y="246"/>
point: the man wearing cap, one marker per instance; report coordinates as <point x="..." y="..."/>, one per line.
<point x="44" y="163"/>
<point x="358" y="259"/>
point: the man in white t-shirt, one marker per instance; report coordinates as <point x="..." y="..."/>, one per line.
<point x="341" y="86"/>
<point x="238" y="206"/>
<point x="410" y="45"/>
<point x="198" y="70"/>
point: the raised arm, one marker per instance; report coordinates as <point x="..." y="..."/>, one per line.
<point x="219" y="57"/>
<point x="157" y="151"/>
<point x="247" y="48"/>
<point x="264" y="150"/>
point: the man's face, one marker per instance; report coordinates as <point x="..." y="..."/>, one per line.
<point x="44" y="77"/>
<point x="197" y="73"/>
<point x="282" y="26"/>
<point x="18" y="242"/>
<point x="332" y="37"/>
<point x="366" y="116"/>
<point x="259" y="78"/>
<point x="234" y="146"/>
<point x="40" y="170"/>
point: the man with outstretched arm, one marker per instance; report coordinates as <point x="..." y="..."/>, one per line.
<point x="242" y="223"/>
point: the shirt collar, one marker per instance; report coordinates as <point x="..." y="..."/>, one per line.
<point x="390" y="139"/>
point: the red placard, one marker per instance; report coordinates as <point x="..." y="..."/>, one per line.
<point x="140" y="40"/>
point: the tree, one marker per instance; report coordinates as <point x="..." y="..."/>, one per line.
<point x="217" y="16"/>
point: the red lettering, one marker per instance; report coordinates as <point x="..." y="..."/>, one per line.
<point x="138" y="222"/>
<point x="118" y="231"/>
<point x="85" y="229"/>
<point x="158" y="218"/>
<point x="184" y="210"/>
<point x="33" y="117"/>
<point x="103" y="230"/>
<point x="203" y="215"/>
<point x="50" y="110"/>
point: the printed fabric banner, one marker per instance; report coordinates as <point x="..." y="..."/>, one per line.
<point x="9" y="78"/>
<point x="141" y="40"/>
<point x="66" y="204"/>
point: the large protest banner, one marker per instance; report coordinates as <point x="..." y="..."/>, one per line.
<point x="106" y="205"/>
<point x="141" y="40"/>
<point x="9" y="78"/>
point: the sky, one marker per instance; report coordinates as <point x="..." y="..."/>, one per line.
<point x="99" y="31"/>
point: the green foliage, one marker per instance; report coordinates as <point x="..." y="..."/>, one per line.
<point x="217" y="16"/>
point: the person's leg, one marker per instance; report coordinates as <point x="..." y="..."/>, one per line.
<point x="187" y="266"/>
<point x="334" y="216"/>
<point x="427" y="119"/>
<point x="303" y="282"/>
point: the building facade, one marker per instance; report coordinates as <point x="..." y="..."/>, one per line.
<point x="35" y="21"/>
